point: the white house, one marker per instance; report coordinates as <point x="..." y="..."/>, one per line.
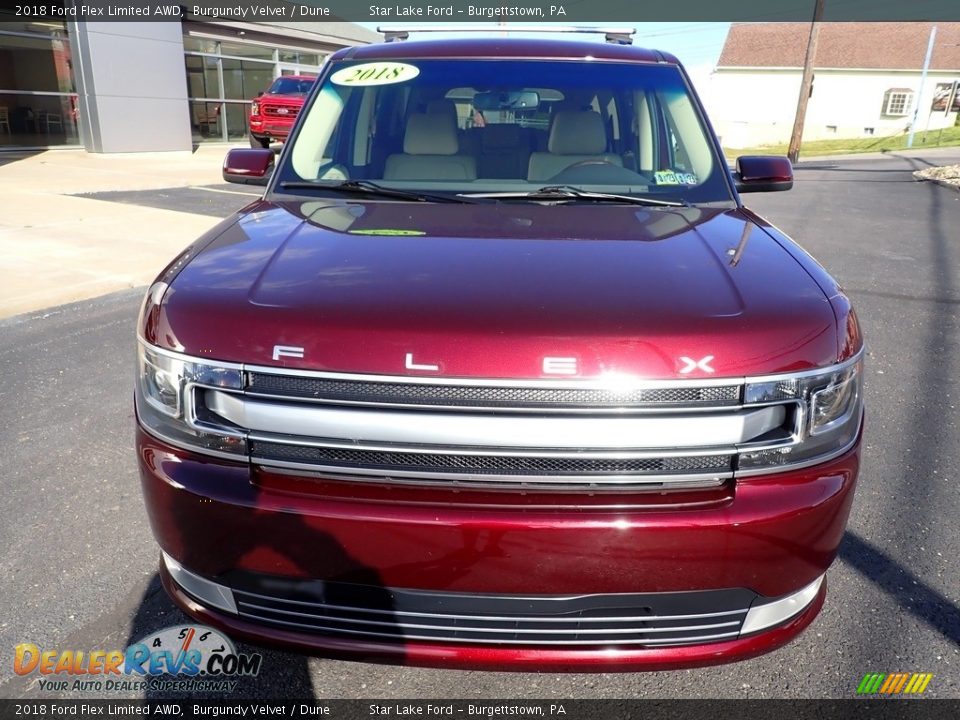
<point x="866" y="81"/>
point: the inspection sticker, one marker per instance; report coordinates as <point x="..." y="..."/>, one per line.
<point x="669" y="177"/>
<point x="377" y="73"/>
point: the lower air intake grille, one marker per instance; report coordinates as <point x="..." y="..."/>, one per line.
<point x="652" y="619"/>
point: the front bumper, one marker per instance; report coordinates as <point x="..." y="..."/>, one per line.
<point x="230" y="525"/>
<point x="272" y="128"/>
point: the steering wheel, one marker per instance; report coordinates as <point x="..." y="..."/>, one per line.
<point x="597" y="170"/>
<point x="588" y="162"/>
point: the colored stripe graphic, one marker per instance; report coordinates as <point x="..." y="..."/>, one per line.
<point x="870" y="683"/>
<point x="889" y="683"/>
<point x="894" y="683"/>
<point x="900" y="683"/>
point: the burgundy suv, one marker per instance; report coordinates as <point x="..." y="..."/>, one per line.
<point x="500" y="373"/>
<point x="273" y="113"/>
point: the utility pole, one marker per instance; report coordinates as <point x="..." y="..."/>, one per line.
<point x="923" y="80"/>
<point x="806" y="84"/>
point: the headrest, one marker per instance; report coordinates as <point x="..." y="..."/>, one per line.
<point x="501" y="135"/>
<point x="576" y="132"/>
<point x="442" y="107"/>
<point x="430" y="135"/>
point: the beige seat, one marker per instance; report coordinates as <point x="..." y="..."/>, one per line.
<point x="430" y="150"/>
<point x="575" y="136"/>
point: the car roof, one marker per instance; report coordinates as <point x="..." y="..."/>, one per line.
<point x="503" y="48"/>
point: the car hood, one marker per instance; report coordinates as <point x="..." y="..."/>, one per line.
<point x="284" y="98"/>
<point x="498" y="290"/>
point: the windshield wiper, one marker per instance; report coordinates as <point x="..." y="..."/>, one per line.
<point x="365" y="187"/>
<point x="568" y="192"/>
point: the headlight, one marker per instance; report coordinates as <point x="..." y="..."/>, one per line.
<point x="166" y="390"/>
<point x="826" y="407"/>
<point x="835" y="403"/>
<point x="255" y="108"/>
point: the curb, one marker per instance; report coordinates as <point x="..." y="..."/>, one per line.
<point x="950" y="185"/>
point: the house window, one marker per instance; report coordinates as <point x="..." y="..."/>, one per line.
<point x="897" y="101"/>
<point x="868" y="131"/>
<point x="832" y="129"/>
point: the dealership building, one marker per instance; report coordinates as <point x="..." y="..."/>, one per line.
<point x="148" y="86"/>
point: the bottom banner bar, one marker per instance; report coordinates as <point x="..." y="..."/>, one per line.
<point x="854" y="709"/>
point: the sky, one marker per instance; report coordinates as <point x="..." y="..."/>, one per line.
<point x="697" y="44"/>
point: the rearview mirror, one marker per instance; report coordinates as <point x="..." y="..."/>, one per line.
<point x="507" y="100"/>
<point x="252" y="166"/>
<point x="763" y="173"/>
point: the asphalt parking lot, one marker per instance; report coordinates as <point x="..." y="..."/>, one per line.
<point x="78" y="560"/>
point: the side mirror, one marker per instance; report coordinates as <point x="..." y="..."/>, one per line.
<point x="763" y="173"/>
<point x="260" y="94"/>
<point x="252" y="166"/>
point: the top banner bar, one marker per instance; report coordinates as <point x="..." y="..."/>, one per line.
<point x="522" y="11"/>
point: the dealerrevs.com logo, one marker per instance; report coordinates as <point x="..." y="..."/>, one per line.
<point x="185" y="658"/>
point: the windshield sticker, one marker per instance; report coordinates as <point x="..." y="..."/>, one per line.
<point x="669" y="177"/>
<point x="377" y="73"/>
<point x="396" y="232"/>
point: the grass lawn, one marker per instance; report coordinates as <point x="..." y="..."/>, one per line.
<point x="931" y="138"/>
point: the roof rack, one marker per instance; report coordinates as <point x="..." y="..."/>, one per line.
<point x="617" y="36"/>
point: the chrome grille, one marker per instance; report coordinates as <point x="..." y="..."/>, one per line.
<point x="487" y="464"/>
<point x="543" y="434"/>
<point x="642" y="619"/>
<point x="486" y="396"/>
<point x="274" y="110"/>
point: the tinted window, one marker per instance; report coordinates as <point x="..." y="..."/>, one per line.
<point x="475" y="125"/>
<point x="291" y="86"/>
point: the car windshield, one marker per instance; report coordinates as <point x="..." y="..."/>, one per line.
<point x="291" y="86"/>
<point x="502" y="129"/>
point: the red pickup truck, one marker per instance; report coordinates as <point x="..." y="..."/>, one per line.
<point x="273" y="113"/>
<point x="534" y="393"/>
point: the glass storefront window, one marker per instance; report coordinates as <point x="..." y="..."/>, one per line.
<point x="259" y="52"/>
<point x="242" y="80"/>
<point x="11" y="22"/>
<point x="28" y="120"/>
<point x="38" y="100"/>
<point x="223" y="81"/>
<point x="237" y="115"/>
<point x="37" y="64"/>
<point x="206" y="121"/>
<point x="202" y="80"/>
<point x="196" y="44"/>
<point x="300" y="58"/>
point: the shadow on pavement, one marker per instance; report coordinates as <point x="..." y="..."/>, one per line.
<point x="930" y="438"/>
<point x="8" y="157"/>
<point x="304" y="580"/>
<point x="911" y="593"/>
<point x="282" y="674"/>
